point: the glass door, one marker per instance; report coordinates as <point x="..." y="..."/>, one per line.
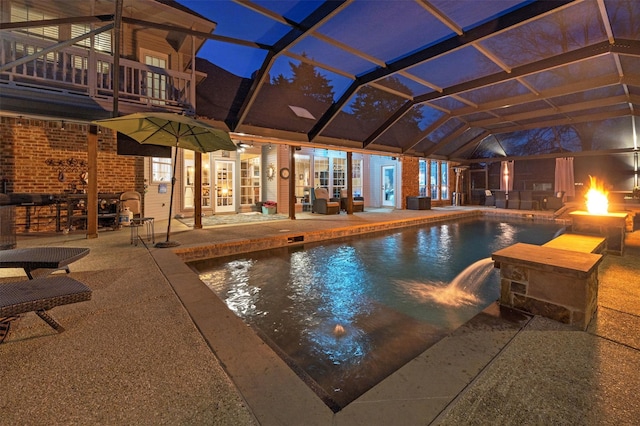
<point x="389" y="186"/>
<point x="224" y="196"/>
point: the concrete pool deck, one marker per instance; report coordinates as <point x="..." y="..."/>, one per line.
<point x="155" y="346"/>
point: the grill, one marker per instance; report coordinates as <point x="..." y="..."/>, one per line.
<point x="31" y="199"/>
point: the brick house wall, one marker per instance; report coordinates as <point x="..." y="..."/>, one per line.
<point x="411" y="184"/>
<point x="409" y="179"/>
<point x="31" y="151"/>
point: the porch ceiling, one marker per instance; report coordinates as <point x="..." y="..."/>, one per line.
<point x="461" y="80"/>
<point x="469" y="81"/>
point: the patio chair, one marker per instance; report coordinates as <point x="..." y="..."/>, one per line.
<point x="501" y="199"/>
<point x="358" y="202"/>
<point x="323" y="204"/>
<point x="38" y="295"/>
<point x="489" y="198"/>
<point x="556" y="201"/>
<point x="527" y="202"/>
<point x="514" y="200"/>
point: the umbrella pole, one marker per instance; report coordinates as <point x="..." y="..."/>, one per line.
<point x="167" y="243"/>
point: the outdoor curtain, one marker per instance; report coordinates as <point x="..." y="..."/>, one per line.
<point x="506" y="173"/>
<point x="564" y="176"/>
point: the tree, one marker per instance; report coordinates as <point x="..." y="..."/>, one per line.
<point x="306" y="79"/>
<point x="374" y="105"/>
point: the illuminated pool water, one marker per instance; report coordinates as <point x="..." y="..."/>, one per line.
<point x="346" y="314"/>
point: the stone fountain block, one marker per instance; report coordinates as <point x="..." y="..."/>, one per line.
<point x="551" y="282"/>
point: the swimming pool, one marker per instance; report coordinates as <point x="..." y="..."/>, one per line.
<point x="346" y="314"/>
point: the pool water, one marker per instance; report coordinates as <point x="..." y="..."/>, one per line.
<point x="346" y="314"/>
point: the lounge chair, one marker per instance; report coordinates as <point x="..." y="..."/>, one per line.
<point x="513" y="200"/>
<point x="489" y="199"/>
<point x="38" y="295"/>
<point x="49" y="258"/>
<point x="501" y="199"/>
<point x="323" y="204"/>
<point x="358" y="202"/>
<point x="527" y="202"/>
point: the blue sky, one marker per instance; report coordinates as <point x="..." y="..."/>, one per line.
<point x="242" y="23"/>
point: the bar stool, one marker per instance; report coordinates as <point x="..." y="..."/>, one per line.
<point x="148" y="223"/>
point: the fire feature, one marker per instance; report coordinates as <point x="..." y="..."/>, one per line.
<point x="597" y="202"/>
<point x="598" y="221"/>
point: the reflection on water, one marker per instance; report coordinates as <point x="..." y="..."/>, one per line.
<point x="393" y="296"/>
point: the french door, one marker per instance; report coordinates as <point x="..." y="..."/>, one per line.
<point x="223" y="189"/>
<point x="389" y="186"/>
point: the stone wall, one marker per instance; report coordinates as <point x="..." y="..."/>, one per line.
<point x="554" y="283"/>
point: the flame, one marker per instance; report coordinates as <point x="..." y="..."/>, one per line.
<point x="597" y="202"/>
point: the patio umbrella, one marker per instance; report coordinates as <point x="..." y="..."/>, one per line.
<point x="168" y="129"/>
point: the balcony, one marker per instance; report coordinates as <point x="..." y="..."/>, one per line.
<point x="80" y="72"/>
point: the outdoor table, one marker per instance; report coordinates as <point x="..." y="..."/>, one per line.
<point x="34" y="258"/>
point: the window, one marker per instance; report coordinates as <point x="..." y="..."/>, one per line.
<point x="101" y="41"/>
<point x="303" y="174"/>
<point x="356" y="175"/>
<point x="23" y="14"/>
<point x="339" y="180"/>
<point x="434" y="180"/>
<point x="321" y="172"/>
<point x="156" y="83"/>
<point x="160" y="170"/>
<point x="444" y="180"/>
<point x="249" y="179"/>
<point x="439" y="179"/>
<point x="422" y="178"/>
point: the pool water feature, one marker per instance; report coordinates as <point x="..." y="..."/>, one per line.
<point x="345" y="314"/>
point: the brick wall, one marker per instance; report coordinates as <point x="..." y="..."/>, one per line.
<point x="31" y="153"/>
<point x="410" y="182"/>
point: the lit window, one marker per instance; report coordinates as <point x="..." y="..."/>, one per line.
<point x="160" y="170"/>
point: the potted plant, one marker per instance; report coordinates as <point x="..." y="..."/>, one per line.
<point x="269" y="207"/>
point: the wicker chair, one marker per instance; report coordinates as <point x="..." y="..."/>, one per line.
<point x="556" y="201"/>
<point x="358" y="202"/>
<point x="501" y="199"/>
<point x="323" y="204"/>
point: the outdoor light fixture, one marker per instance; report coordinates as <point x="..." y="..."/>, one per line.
<point x="243" y="145"/>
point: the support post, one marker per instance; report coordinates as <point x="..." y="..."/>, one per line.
<point x="92" y="186"/>
<point x="292" y="182"/>
<point x="349" y="182"/>
<point x="197" y="192"/>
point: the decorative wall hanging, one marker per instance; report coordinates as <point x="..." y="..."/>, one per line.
<point x="70" y="165"/>
<point x="271" y="171"/>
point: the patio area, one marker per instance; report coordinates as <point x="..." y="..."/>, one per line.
<point x="155" y="346"/>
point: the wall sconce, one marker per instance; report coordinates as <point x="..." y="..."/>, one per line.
<point x="62" y="125"/>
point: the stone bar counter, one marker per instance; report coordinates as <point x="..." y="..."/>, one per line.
<point x="612" y="226"/>
<point x="548" y="281"/>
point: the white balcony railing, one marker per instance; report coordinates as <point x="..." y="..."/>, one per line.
<point x="83" y="71"/>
